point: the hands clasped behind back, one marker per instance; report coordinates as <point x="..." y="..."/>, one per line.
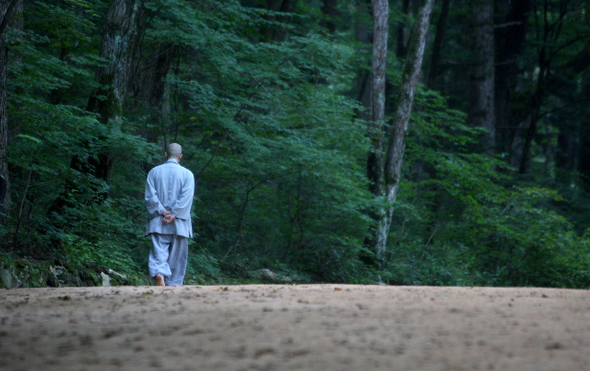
<point x="168" y="217"/>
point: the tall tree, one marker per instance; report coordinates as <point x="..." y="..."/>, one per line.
<point x="584" y="145"/>
<point x="377" y="112"/>
<point x="510" y="36"/>
<point x="408" y="9"/>
<point x="555" y="41"/>
<point x="150" y="90"/>
<point x="385" y="180"/>
<point x="121" y="33"/>
<point x="7" y="9"/>
<point x="4" y="179"/>
<point x="364" y="35"/>
<point x="481" y="106"/>
<point x="435" y="62"/>
<point x="401" y="46"/>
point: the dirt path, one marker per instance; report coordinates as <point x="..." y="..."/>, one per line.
<point x="294" y="327"/>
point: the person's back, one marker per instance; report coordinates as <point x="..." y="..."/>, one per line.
<point x="170" y="186"/>
<point x="169" y="192"/>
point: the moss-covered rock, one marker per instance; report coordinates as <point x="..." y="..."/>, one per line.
<point x="15" y="273"/>
<point x="8" y="277"/>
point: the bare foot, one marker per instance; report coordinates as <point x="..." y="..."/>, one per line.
<point x="160" y="280"/>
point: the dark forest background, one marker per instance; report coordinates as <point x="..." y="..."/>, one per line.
<point x="274" y="103"/>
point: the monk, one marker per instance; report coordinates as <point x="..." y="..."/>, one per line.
<point x="169" y="193"/>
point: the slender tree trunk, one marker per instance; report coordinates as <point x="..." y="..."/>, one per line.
<point x="391" y="173"/>
<point x="441" y="26"/>
<point x="8" y="10"/>
<point x="4" y="178"/>
<point x="481" y="106"/>
<point x="584" y="158"/>
<point x="544" y="66"/>
<point x="401" y="47"/>
<point x="510" y="37"/>
<point x="363" y="78"/>
<point x="583" y="163"/>
<point x="377" y="94"/>
<point x="565" y="157"/>
<point x="377" y="112"/>
<point x="525" y="162"/>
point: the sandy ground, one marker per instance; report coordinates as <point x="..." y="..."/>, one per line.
<point x="294" y="327"/>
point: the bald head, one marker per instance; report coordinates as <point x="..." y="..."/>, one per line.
<point x="174" y="151"/>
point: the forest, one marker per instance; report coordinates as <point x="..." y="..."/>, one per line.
<point x="405" y="142"/>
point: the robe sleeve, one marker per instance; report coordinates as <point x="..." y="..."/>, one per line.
<point x="152" y="201"/>
<point x="182" y="206"/>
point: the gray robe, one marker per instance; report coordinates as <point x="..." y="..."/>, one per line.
<point x="171" y="187"/>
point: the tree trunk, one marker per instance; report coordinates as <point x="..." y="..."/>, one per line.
<point x="565" y="157"/>
<point x="283" y="6"/>
<point x="481" y="106"/>
<point x="583" y="165"/>
<point x="441" y="26"/>
<point x="330" y="10"/>
<point x="377" y="112"/>
<point x="510" y="37"/>
<point x="6" y="9"/>
<point x="4" y="179"/>
<point x="150" y="92"/>
<point x="391" y="173"/>
<point x="7" y="19"/>
<point x="401" y="48"/>
<point x="550" y="78"/>
<point x="362" y="85"/>
<point x="377" y="93"/>
<point x="537" y="101"/>
<point x="544" y="61"/>
<point x="159" y="89"/>
<point x="120" y="36"/>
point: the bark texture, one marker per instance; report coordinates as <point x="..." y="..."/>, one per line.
<point x="120" y="36"/>
<point x="121" y="33"/>
<point x="377" y="112"/>
<point x="481" y="106"/>
<point x="396" y="135"/>
<point x="377" y="94"/>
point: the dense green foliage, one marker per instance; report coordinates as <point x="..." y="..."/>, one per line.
<point x="268" y="107"/>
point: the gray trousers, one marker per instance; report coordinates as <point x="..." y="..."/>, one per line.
<point x="168" y="257"/>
